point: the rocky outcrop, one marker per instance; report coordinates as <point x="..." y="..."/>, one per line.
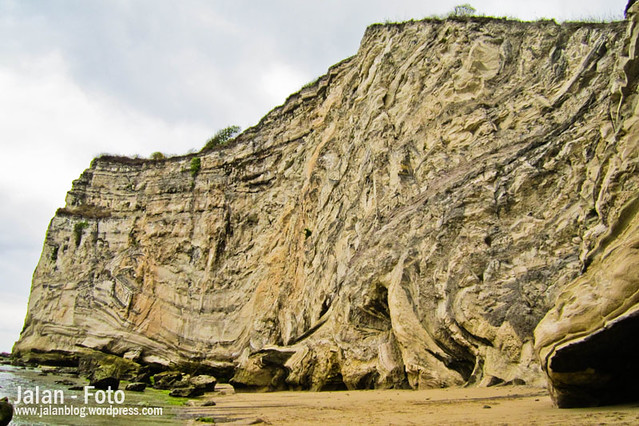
<point x="6" y="411"/>
<point x="136" y="387"/>
<point x="184" y="385"/>
<point x="405" y="221"/>
<point x="586" y="342"/>
<point x="204" y="382"/>
<point x="5" y="358"/>
<point x="167" y="380"/>
<point x="187" y="392"/>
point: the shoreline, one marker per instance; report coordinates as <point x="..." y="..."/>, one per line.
<point x="44" y="381"/>
<point x="472" y="405"/>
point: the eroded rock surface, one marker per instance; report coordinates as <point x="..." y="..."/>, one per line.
<point x="405" y="221"/>
<point x="587" y="342"/>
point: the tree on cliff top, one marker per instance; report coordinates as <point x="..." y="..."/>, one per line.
<point x="222" y="136"/>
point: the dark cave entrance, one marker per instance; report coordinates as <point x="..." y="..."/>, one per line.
<point x="603" y="369"/>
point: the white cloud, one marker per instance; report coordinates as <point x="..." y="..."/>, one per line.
<point x="50" y="129"/>
<point x="12" y="314"/>
<point x="280" y="80"/>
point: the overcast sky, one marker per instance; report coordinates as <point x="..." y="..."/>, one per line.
<point x="84" y="77"/>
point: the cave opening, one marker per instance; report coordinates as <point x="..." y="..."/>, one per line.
<point x="601" y="369"/>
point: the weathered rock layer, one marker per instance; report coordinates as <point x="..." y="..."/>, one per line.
<point x="407" y="220"/>
<point x="586" y="342"/>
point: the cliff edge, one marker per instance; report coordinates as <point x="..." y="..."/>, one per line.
<point x="405" y="221"/>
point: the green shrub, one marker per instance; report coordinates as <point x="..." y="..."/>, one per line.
<point x="78" y="229"/>
<point x="196" y="164"/>
<point x="222" y="136"/>
<point x="158" y="156"/>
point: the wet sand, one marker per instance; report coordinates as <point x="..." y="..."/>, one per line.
<point x="516" y="405"/>
<point x="508" y="405"/>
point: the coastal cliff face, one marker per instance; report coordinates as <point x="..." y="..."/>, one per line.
<point x="587" y="342"/>
<point x="405" y="221"/>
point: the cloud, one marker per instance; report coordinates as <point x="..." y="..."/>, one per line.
<point x="51" y="122"/>
<point x="280" y="80"/>
<point x="12" y="314"/>
<point x="51" y="129"/>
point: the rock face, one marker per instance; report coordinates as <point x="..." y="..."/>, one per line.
<point x="405" y="221"/>
<point x="587" y="342"/>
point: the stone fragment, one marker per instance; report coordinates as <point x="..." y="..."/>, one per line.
<point x="188" y="392"/>
<point x="105" y="383"/>
<point x="204" y="382"/>
<point x="136" y="387"/>
<point x="166" y="379"/>
<point x="6" y="411"/>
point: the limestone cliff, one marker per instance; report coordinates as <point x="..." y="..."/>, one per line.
<point x="406" y="220"/>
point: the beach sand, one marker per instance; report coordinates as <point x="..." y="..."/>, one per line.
<point x="500" y="405"/>
<point x="516" y="405"/>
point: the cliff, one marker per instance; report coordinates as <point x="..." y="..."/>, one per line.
<point x="407" y="220"/>
<point x="587" y="343"/>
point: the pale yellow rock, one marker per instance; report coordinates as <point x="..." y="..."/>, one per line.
<point x="587" y="342"/>
<point x="405" y="221"/>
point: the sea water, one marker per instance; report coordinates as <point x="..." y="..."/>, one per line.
<point x="45" y="399"/>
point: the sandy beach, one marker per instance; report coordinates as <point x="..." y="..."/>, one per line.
<point x="471" y="406"/>
<point x="500" y="405"/>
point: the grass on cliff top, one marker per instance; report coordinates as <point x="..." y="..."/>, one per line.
<point x="221" y="138"/>
<point x="604" y="19"/>
<point x="462" y="12"/>
<point x="466" y="12"/>
<point x="486" y="18"/>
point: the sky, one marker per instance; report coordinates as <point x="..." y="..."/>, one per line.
<point x="79" y="78"/>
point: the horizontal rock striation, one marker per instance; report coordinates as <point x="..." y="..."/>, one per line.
<point x="405" y="221"/>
